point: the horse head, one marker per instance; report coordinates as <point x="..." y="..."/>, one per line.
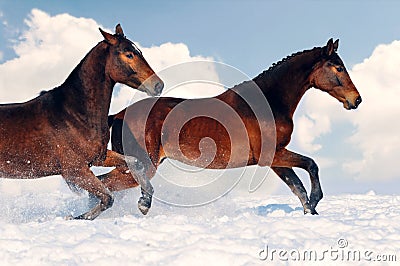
<point x="124" y="62"/>
<point x="330" y="75"/>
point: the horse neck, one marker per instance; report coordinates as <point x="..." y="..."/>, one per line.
<point x="88" y="89"/>
<point x="285" y="83"/>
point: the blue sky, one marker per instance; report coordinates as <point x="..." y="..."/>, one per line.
<point x="251" y="35"/>
<point x="247" y="34"/>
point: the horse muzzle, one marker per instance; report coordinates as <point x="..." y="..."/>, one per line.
<point x="350" y="105"/>
<point x="158" y="88"/>
<point x="153" y="86"/>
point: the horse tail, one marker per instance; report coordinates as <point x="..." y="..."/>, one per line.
<point x="111" y="120"/>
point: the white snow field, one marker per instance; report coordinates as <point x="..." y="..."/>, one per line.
<point x="238" y="229"/>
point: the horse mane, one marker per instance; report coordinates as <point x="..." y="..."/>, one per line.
<point x="268" y="75"/>
<point x="283" y="62"/>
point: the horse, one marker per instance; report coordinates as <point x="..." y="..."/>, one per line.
<point x="148" y="138"/>
<point x="64" y="131"/>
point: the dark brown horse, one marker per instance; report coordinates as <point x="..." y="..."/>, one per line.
<point x="65" y="130"/>
<point x="282" y="85"/>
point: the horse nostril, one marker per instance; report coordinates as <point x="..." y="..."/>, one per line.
<point x="159" y="87"/>
<point x="358" y="100"/>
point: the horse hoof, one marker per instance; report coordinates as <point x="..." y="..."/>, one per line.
<point x="144" y="205"/>
<point x="310" y="211"/>
<point x="80" y="217"/>
<point x="69" y="218"/>
<point x="143" y="209"/>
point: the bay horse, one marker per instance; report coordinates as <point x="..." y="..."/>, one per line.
<point x="65" y="130"/>
<point x="283" y="85"/>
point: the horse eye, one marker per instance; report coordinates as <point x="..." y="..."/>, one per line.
<point x="339" y="69"/>
<point x="130" y="56"/>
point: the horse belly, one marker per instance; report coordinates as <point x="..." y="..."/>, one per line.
<point x="18" y="166"/>
<point x="24" y="153"/>
<point x="206" y="143"/>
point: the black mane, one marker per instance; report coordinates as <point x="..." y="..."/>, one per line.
<point x="285" y="60"/>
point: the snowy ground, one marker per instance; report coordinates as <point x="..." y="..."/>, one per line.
<point x="235" y="230"/>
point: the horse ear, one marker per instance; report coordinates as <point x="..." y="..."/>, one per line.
<point x="329" y="48"/>
<point x="118" y="30"/>
<point x="111" y="39"/>
<point x="336" y="45"/>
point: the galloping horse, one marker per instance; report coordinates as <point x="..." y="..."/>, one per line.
<point x="283" y="85"/>
<point x="65" y="130"/>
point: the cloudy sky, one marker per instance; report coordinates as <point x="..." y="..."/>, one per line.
<point x="41" y="42"/>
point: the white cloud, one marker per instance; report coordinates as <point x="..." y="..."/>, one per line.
<point x="1" y="56"/>
<point x="168" y="54"/>
<point x="308" y="128"/>
<point x="376" y="128"/>
<point x="46" y="53"/>
<point x="378" y="131"/>
<point x="171" y="61"/>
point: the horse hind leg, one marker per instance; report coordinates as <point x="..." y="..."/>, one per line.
<point x="137" y="160"/>
<point x="130" y="172"/>
<point x="117" y="180"/>
<point x="140" y="170"/>
<point x="120" y="179"/>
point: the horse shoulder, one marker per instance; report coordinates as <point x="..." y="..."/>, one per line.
<point x="284" y="128"/>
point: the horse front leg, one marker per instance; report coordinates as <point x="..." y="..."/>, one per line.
<point x="291" y="179"/>
<point x="289" y="159"/>
<point x="85" y="179"/>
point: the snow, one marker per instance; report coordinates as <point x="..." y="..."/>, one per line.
<point x="238" y="229"/>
